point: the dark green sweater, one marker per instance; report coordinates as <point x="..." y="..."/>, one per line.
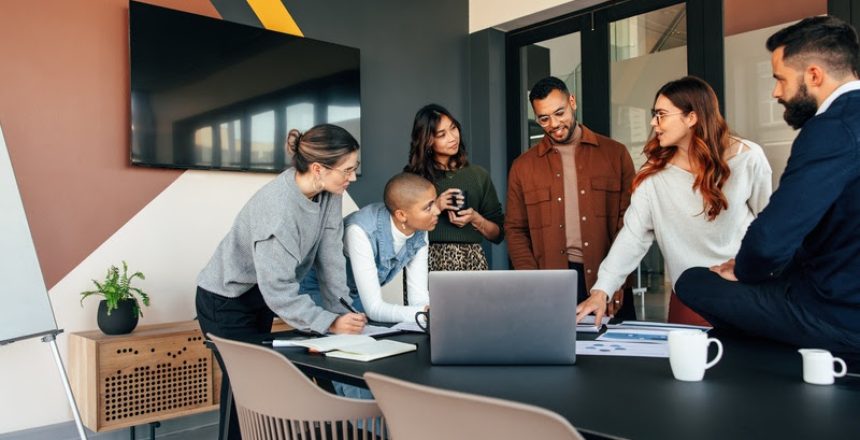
<point x="481" y="196"/>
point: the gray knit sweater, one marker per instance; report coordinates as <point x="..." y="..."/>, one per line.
<point x="275" y="240"/>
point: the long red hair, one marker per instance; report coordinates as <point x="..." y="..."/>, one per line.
<point x="708" y="147"/>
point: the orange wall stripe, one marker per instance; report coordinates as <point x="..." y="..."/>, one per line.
<point x="274" y="16"/>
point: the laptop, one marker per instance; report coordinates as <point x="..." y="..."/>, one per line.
<point x="523" y="317"/>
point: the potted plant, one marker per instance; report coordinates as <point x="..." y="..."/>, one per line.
<point x="120" y="308"/>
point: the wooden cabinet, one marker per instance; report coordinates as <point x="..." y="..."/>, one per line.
<point x="155" y="373"/>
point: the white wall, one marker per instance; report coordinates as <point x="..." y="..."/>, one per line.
<point x="484" y="14"/>
<point x="169" y="240"/>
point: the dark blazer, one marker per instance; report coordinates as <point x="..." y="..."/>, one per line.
<point x="809" y="233"/>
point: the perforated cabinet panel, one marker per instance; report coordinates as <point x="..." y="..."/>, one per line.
<point x="151" y="377"/>
<point x="153" y="374"/>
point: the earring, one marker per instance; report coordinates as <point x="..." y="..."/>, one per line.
<point x="403" y="225"/>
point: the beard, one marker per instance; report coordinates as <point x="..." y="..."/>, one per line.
<point x="570" y="132"/>
<point x="800" y="108"/>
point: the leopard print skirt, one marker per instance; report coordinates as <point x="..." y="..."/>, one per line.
<point x="457" y="256"/>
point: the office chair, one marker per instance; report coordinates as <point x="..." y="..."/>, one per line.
<point x="276" y="401"/>
<point x="418" y="412"/>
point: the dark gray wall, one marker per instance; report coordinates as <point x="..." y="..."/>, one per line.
<point x="848" y="10"/>
<point x="487" y="113"/>
<point x="412" y="53"/>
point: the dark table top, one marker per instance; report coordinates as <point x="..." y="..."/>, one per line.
<point x="755" y="391"/>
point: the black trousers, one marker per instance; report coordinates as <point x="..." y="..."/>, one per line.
<point x="769" y="309"/>
<point x="233" y="318"/>
<point x="628" y="310"/>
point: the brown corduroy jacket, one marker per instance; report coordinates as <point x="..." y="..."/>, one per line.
<point x="534" y="221"/>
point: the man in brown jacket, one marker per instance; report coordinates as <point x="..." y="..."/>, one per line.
<point x="567" y="195"/>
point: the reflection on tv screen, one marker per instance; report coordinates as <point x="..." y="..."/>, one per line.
<point x="211" y="94"/>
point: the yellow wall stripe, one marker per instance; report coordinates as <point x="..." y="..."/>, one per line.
<point x="274" y="16"/>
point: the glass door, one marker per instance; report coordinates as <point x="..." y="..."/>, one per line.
<point x="645" y="52"/>
<point x="560" y="57"/>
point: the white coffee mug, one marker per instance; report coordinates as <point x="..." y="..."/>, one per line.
<point x="688" y="354"/>
<point x="818" y="366"/>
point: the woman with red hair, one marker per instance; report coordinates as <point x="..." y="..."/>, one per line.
<point x="696" y="194"/>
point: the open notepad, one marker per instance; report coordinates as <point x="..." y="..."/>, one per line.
<point x="355" y="347"/>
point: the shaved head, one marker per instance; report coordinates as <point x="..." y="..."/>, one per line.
<point x="404" y="190"/>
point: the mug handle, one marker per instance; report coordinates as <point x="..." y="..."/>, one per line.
<point x="844" y="368"/>
<point x="719" y="353"/>
<point x="426" y="319"/>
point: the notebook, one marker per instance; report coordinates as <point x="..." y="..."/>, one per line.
<point x="501" y="317"/>
<point x="355" y="347"/>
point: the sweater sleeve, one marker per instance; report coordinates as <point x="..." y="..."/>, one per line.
<point x="363" y="265"/>
<point x="630" y="245"/>
<point x="330" y="262"/>
<point x="276" y="277"/>
<point x="762" y="182"/>
<point x="416" y="281"/>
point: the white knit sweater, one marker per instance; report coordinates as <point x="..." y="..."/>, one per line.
<point x="665" y="207"/>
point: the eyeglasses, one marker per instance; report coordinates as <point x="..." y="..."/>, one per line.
<point x="545" y="120"/>
<point x="347" y="172"/>
<point x="659" y="116"/>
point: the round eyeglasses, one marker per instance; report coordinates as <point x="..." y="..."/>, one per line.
<point x="347" y="172"/>
<point x="659" y="116"/>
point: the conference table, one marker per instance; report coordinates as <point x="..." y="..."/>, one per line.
<point x="756" y="391"/>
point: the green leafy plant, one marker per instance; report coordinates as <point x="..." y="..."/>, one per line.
<point x="116" y="287"/>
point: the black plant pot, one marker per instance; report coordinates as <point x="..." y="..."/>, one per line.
<point x="121" y="320"/>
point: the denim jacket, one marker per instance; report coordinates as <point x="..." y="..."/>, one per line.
<point x="374" y="220"/>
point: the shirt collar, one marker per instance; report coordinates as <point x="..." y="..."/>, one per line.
<point x="850" y="86"/>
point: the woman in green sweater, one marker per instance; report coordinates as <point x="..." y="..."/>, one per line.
<point x="438" y="154"/>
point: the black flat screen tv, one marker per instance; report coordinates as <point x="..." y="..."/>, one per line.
<point x="211" y="94"/>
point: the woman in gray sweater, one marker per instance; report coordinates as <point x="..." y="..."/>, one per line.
<point x="291" y="224"/>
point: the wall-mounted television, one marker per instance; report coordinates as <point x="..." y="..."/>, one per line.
<point x="211" y="94"/>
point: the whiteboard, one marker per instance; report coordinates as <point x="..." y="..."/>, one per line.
<point x="25" y="310"/>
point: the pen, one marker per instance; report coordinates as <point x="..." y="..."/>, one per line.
<point x="346" y="304"/>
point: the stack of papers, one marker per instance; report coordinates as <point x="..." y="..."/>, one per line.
<point x="634" y="335"/>
<point x="621" y="349"/>
<point x="355" y="347"/>
<point x="408" y="327"/>
<point x="634" y="338"/>
<point x="658" y="326"/>
<point x="378" y="330"/>
<point x="644" y="331"/>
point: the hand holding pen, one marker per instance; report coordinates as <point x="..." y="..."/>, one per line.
<point x="352" y="322"/>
